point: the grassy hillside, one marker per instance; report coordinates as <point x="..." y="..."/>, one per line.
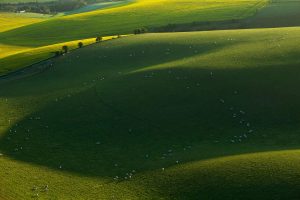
<point x="11" y="21"/>
<point x="173" y="116"/>
<point x="212" y="15"/>
<point x="121" y="19"/>
<point x="278" y="13"/>
<point x="125" y="19"/>
<point x="15" y="58"/>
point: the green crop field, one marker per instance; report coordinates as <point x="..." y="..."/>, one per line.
<point x="184" y="115"/>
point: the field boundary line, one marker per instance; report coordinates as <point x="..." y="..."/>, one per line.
<point x="37" y="67"/>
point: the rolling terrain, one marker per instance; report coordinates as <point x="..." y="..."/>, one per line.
<point x="183" y="115"/>
<point x="158" y="116"/>
<point x="206" y="15"/>
<point x="122" y="19"/>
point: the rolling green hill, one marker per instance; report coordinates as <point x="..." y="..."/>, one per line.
<point x="210" y="114"/>
<point x="15" y="41"/>
<point x="185" y="115"/>
<point x="124" y="19"/>
<point x="110" y="21"/>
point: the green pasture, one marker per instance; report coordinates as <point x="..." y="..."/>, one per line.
<point x="185" y="115"/>
<point x="211" y="115"/>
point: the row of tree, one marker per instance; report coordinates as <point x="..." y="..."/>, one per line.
<point x="65" y="48"/>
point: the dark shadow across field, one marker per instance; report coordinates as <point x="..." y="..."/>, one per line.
<point x="106" y="132"/>
<point x="97" y="118"/>
<point x="94" y="63"/>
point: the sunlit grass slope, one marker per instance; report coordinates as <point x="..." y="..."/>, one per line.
<point x="126" y="18"/>
<point x="7" y="50"/>
<point x="158" y="116"/>
<point x="10" y="21"/>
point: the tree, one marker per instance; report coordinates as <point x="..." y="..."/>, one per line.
<point x="144" y="30"/>
<point x="57" y="53"/>
<point x="65" y="49"/>
<point x="140" y="30"/>
<point x="99" y="39"/>
<point x="80" y="45"/>
<point x="137" y="31"/>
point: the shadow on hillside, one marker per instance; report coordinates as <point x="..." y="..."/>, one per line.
<point x="111" y="130"/>
<point x="81" y="132"/>
<point x="81" y="67"/>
